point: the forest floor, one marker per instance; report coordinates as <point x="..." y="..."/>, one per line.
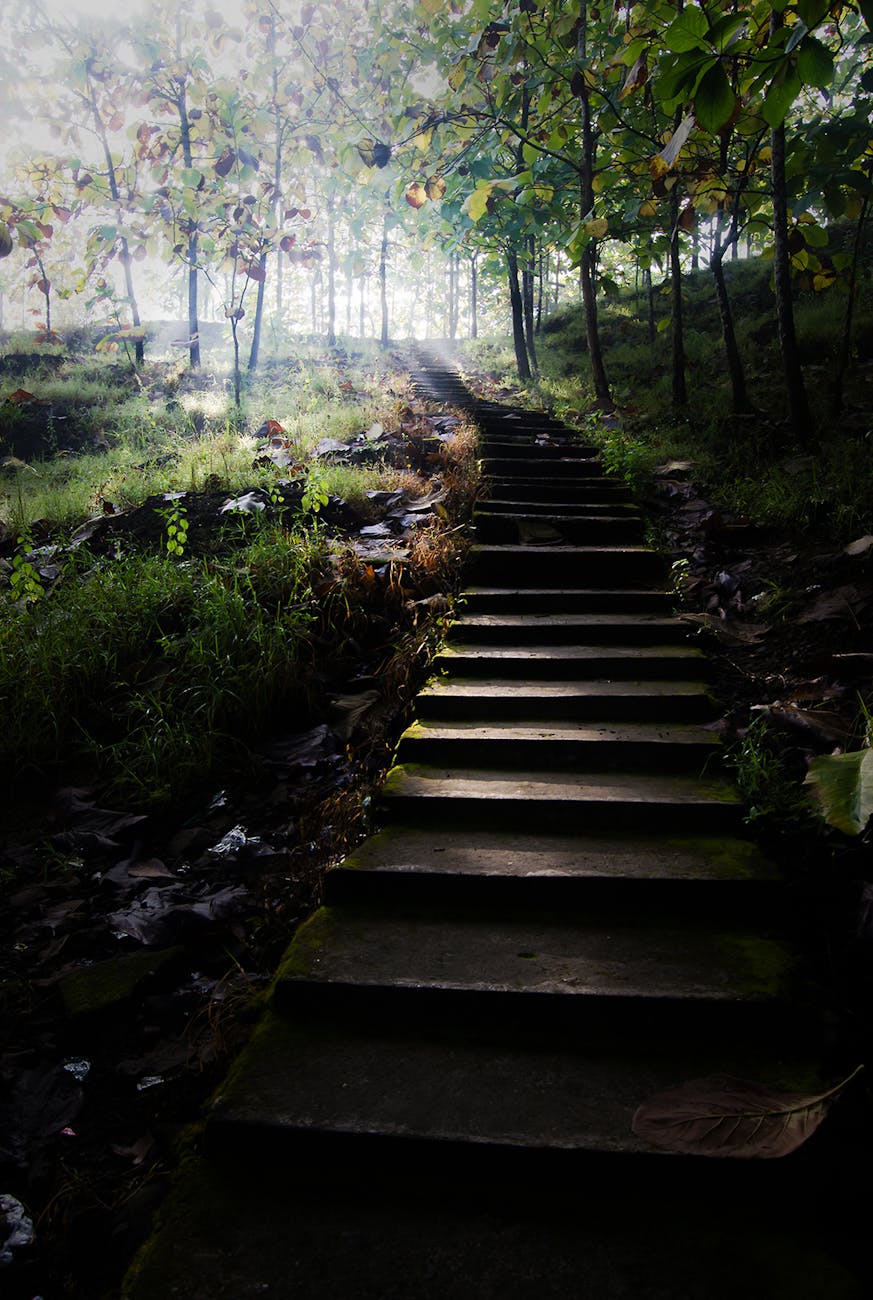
<point x="136" y="948"/>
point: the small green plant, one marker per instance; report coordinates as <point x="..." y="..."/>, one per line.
<point x="24" y="580"/>
<point x="315" y="494"/>
<point x="771" y="790"/>
<point x="177" y="530"/>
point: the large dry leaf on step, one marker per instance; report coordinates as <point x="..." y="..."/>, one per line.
<point x="731" y="1118"/>
<point x="533" y="533"/>
<point x="859" y="547"/>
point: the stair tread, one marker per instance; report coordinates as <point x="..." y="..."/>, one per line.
<point x="404" y="849"/>
<point x="505" y="731"/>
<point x="581" y="653"/>
<point x="509" y="688"/>
<point x="322" y="1078"/>
<point x="425" y="781"/>
<point x="626" y="958"/>
<point x="546" y="621"/>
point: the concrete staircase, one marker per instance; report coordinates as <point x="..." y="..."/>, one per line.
<point x="560" y="917"/>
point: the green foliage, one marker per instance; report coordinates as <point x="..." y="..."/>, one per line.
<point x="841" y="785"/>
<point x="176" y="521"/>
<point x="315" y="493"/>
<point x="150" y="672"/>
<point x="770" y="788"/>
<point x="24" y="581"/>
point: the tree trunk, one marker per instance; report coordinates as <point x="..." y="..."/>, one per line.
<point x="521" y="357"/>
<point x="740" y="404"/>
<point x="589" y="253"/>
<point x="331" y="273"/>
<point x="383" y="283"/>
<point x="254" y="353"/>
<point x="798" y="406"/>
<point x="193" y="246"/>
<point x="474" y="297"/>
<point x="679" y="387"/>
<point x="846" y="343"/>
<point x="650" y="303"/>
<point x="527" y="292"/>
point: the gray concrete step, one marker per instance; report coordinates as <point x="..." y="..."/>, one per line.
<point x="580" y="802"/>
<point x="402" y="865"/>
<point x="565" y="600"/>
<point x="569" y="629"/>
<point x="565" y="746"/>
<point x="477" y="698"/>
<point x="573" y="566"/>
<point x="557" y="529"/>
<point x="570" y="662"/>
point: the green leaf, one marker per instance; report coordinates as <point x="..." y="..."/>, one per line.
<point x="812" y="12"/>
<point x="715" y="100"/>
<point x="842" y="786"/>
<point x="815" y="64"/>
<point x="779" y="99"/>
<point x="687" y="30"/>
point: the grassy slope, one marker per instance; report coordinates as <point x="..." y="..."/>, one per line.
<point x="151" y="669"/>
<point x="748" y="465"/>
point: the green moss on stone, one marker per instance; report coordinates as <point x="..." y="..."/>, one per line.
<point x="95" y="988"/>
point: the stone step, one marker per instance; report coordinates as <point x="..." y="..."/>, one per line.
<point x="556" y="529"/>
<point x="538" y="467"/>
<point x="491" y="799"/>
<point x="570" y="662"/>
<point x="471" y="699"/>
<point x="335" y="1096"/>
<point x="710" y="875"/>
<point x="567" y="746"/>
<point x="626" y="973"/>
<point x="565" y="600"/>
<point x="575" y="566"/>
<point x="576" y="488"/>
<point x="569" y="629"/>
<point x="497" y="448"/>
<point x="495" y="506"/>
<point x="237" y="1228"/>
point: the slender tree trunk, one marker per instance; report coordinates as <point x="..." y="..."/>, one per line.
<point x="383" y="283"/>
<point x="740" y="403"/>
<point x="679" y="387"/>
<point x="542" y="280"/>
<point x="586" y="203"/>
<point x="798" y="406"/>
<point x="255" y="351"/>
<point x="193" y="245"/>
<point x="362" y="307"/>
<point x="331" y="273"/>
<point x="527" y="291"/>
<point x="124" y="246"/>
<point x="521" y="357"/>
<point x="474" y="297"/>
<point x="846" y="342"/>
<point x="650" y="303"/>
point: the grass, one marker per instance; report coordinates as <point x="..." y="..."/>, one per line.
<point x="150" y="672"/>
<point x="748" y="465"/>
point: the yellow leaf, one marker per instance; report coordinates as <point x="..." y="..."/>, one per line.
<point x="597" y="228"/>
<point x="648" y="209"/>
<point x="823" y="280"/>
<point x="435" y="188"/>
<point x="416" y="195"/>
<point x="658" y="167"/>
<point x="422" y="140"/>
<point x="477" y="204"/>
